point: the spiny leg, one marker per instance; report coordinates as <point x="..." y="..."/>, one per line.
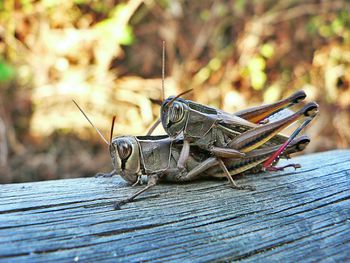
<point x="232" y="182"/>
<point x="152" y="181"/>
<point x="257" y="114"/>
<point x="297" y="145"/>
<point x="256" y="137"/>
<point x="267" y="164"/>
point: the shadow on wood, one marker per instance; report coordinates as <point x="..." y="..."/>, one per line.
<point x="293" y="215"/>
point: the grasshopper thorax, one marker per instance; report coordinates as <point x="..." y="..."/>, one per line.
<point x="125" y="155"/>
<point x="193" y="119"/>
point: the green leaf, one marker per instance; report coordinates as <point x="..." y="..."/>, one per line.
<point x="6" y="71"/>
<point x="115" y="28"/>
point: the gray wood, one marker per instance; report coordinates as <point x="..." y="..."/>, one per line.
<point x="298" y="215"/>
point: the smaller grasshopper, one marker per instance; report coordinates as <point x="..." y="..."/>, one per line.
<point x="157" y="157"/>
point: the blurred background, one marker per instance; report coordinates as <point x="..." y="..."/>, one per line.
<point x="107" y="56"/>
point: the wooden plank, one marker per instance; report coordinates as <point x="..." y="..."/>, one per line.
<point x="293" y="215"/>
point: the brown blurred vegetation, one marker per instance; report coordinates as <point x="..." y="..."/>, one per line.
<point x="107" y="56"/>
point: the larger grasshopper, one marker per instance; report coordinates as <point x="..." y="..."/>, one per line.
<point x="157" y="156"/>
<point x="226" y="135"/>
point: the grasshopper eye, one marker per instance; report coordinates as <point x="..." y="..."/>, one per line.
<point x="124" y="148"/>
<point x="176" y="112"/>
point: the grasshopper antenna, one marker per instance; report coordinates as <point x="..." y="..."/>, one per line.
<point x="177" y="96"/>
<point x="163" y="77"/>
<point x="155" y="125"/>
<point x="112" y="128"/>
<point x="163" y="70"/>
<point x="98" y="131"/>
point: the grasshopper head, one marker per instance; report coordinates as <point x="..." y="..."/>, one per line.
<point x="124" y="152"/>
<point x="174" y="112"/>
<point x="125" y="156"/>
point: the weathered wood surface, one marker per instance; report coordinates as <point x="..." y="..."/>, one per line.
<point x="292" y="216"/>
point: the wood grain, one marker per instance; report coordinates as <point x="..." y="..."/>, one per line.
<point x="298" y="215"/>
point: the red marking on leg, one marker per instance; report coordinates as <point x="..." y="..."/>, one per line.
<point x="273" y="157"/>
<point x="269" y="161"/>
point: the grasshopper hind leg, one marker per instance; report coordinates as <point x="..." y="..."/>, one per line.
<point x="261" y="113"/>
<point x="269" y="163"/>
<point x="256" y="137"/>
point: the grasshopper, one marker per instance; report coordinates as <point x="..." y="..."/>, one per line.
<point x="224" y="135"/>
<point x="157" y="158"/>
<point x="227" y="135"/>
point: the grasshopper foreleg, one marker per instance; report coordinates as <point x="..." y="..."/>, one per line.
<point x="106" y="175"/>
<point x="138" y="181"/>
<point x="185" y="152"/>
<point x="152" y="181"/>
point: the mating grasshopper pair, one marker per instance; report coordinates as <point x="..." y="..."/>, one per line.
<point x="206" y="142"/>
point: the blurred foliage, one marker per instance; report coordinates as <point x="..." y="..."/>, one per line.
<point x="107" y="56"/>
<point x="6" y="71"/>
